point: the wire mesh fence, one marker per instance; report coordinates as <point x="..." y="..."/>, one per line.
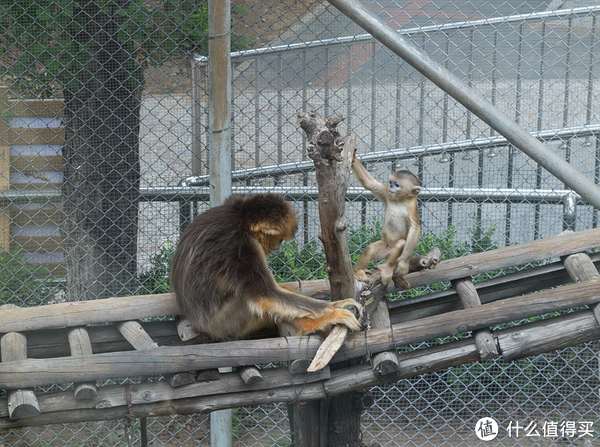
<point x="103" y="143"/>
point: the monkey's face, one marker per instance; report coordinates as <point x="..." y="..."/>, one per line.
<point x="276" y="245"/>
<point x="400" y="186"/>
<point x="269" y="242"/>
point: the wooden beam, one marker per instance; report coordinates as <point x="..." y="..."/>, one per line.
<point x="507" y="257"/>
<point x="249" y="352"/>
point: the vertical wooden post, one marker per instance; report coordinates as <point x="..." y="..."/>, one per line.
<point x="332" y="156"/>
<point x="21" y="403"/>
<point x="484" y="340"/>
<point x="80" y="344"/>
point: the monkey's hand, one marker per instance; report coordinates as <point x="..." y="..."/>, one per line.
<point x="350" y="313"/>
<point x="361" y="275"/>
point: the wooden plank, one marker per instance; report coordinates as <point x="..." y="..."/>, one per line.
<point x="36" y="163"/>
<point x="37" y="107"/>
<point x="249" y="352"/>
<point x="501" y="258"/>
<point x="36" y="136"/>
<point x="44" y="244"/>
<point x="42" y="215"/>
<point x="81" y="313"/>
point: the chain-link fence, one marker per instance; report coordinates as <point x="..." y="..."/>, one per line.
<point x="103" y="137"/>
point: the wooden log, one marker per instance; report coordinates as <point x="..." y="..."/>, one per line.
<point x="81" y="313"/>
<point x="385" y="364"/>
<point x="424" y="262"/>
<point x="80" y="344"/>
<point x="208" y="375"/>
<point x="48" y="343"/>
<point x="149" y="392"/>
<point x="341" y="381"/>
<point x="162" y="360"/>
<point x="581" y="268"/>
<point x="135" y="334"/>
<point x="250" y="375"/>
<point x="507" y="257"/>
<point x="483" y="337"/>
<point x="146" y="306"/>
<point x="156" y="399"/>
<point x="298" y="366"/>
<point x="185" y="330"/>
<point x="21" y="403"/>
<point x="332" y="157"/>
<point x="548" y="335"/>
<point x="519" y="283"/>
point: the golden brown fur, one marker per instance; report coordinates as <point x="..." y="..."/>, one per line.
<point x="222" y="282"/>
<point x="401" y="228"/>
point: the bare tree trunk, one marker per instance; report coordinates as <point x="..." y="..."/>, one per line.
<point x="101" y="172"/>
<point x="333" y="165"/>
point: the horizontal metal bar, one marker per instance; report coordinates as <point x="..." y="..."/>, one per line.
<point x="467" y="24"/>
<point x="307" y="166"/>
<point x="179" y="194"/>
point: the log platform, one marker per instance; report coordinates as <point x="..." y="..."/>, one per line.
<point x="85" y="342"/>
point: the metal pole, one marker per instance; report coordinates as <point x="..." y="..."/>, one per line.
<point x="219" y="100"/>
<point x="471" y="99"/>
<point x="219" y="148"/>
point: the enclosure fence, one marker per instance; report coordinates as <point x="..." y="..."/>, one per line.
<point x="536" y="62"/>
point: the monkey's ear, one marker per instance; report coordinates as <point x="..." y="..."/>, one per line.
<point x="266" y="229"/>
<point x="416" y="190"/>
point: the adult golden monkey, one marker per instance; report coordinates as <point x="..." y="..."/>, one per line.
<point x="222" y="283"/>
<point x="400" y="230"/>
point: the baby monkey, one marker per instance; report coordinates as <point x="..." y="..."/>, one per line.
<point x="401" y="229"/>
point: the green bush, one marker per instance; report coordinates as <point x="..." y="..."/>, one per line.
<point x="22" y="283"/>
<point x="306" y="262"/>
<point x="156" y="278"/>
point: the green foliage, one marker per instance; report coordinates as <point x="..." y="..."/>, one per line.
<point x="23" y="283"/>
<point x="305" y="262"/>
<point x="47" y="41"/>
<point x="293" y="262"/>
<point x="156" y="278"/>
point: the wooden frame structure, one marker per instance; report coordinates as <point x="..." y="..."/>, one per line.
<point x="63" y="343"/>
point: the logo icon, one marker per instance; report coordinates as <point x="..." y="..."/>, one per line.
<point x="486" y="429"/>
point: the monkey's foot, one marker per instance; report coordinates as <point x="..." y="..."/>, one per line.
<point x="399" y="281"/>
<point x="361" y="275"/>
<point x="352" y="308"/>
<point x="387" y="271"/>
